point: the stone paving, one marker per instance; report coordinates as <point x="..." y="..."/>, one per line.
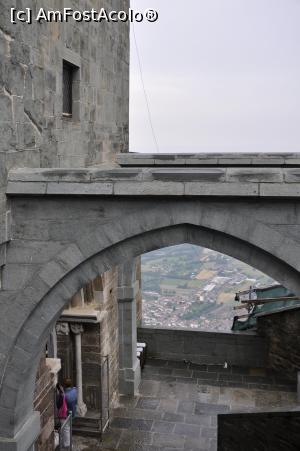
<point x="178" y="405"/>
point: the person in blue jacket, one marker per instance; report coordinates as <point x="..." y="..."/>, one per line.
<point x="71" y="396"/>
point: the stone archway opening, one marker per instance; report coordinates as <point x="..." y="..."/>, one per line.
<point x="60" y="288"/>
<point x="189" y="286"/>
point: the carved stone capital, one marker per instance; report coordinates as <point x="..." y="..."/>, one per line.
<point x="62" y="328"/>
<point x="76" y="328"/>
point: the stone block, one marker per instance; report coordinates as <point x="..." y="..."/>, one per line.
<point x="148" y="188"/>
<point x="292" y="175"/>
<point x="117" y="173"/>
<point x="208" y="175"/>
<point x="254" y="175"/>
<point x="70" y="257"/>
<point x="24" y="438"/>
<point x="70" y="188"/>
<point x="221" y="189"/>
<point x="37" y="188"/>
<point x="13" y="272"/>
<point x="279" y="190"/>
<point x="52" y="273"/>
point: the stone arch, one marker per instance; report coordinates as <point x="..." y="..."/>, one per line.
<point x="58" y="280"/>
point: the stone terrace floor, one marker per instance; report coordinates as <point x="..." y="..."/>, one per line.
<point x="178" y="404"/>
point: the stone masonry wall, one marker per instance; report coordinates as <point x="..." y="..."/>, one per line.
<point x="44" y="403"/>
<point x="273" y="431"/>
<point x="98" y="341"/>
<point x="91" y="351"/>
<point x="33" y="132"/>
<point x="109" y="331"/>
<point x="204" y="347"/>
<point x="282" y="332"/>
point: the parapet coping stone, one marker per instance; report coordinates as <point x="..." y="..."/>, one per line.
<point x="208" y="159"/>
<point x="251" y="334"/>
<point x="146" y="181"/>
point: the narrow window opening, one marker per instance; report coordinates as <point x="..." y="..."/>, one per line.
<point x="68" y="79"/>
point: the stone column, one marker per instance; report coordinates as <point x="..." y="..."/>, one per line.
<point x="129" y="365"/>
<point x="77" y="330"/>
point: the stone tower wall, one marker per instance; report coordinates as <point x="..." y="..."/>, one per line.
<point x="33" y="131"/>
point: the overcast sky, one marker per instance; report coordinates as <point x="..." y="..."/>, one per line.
<point x="221" y="76"/>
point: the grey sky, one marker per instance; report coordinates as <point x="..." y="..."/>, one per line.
<point x="221" y="76"/>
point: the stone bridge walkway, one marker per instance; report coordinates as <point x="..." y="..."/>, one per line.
<point x="177" y="407"/>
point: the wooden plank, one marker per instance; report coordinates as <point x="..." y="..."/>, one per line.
<point x="268" y="300"/>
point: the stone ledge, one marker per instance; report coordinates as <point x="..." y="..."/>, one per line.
<point x="81" y="315"/>
<point x="201" y="182"/>
<point x="209" y="159"/>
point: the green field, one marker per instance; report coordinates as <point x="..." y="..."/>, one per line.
<point x="177" y="266"/>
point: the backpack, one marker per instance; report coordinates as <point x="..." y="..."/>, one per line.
<point x="63" y="410"/>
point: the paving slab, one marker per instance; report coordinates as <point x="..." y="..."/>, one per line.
<point x="171" y="414"/>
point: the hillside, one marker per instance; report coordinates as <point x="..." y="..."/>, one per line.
<point x="191" y="286"/>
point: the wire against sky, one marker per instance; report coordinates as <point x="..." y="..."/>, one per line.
<point x="144" y="89"/>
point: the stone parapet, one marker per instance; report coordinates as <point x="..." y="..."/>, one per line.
<point x="214" y="348"/>
<point x="210" y="181"/>
<point x="209" y="159"/>
<point x="281" y="330"/>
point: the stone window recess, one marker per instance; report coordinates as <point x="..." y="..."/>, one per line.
<point x="69" y="89"/>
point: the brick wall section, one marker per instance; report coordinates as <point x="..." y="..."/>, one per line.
<point x="282" y="332"/>
<point x="44" y="403"/>
<point x="109" y="331"/>
<point x="97" y="341"/>
<point x="91" y="352"/>
<point x="278" y="431"/>
<point x="205" y="347"/>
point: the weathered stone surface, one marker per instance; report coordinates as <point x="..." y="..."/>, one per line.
<point x="211" y="159"/>
<point x="204" y="347"/>
<point x="259" y="431"/>
<point x="33" y="131"/>
<point x="281" y="330"/>
<point x="209" y="181"/>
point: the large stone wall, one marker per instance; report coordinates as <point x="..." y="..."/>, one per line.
<point x="281" y="330"/>
<point x="33" y="132"/>
<point x="44" y="403"/>
<point x="109" y="331"/>
<point x="205" y="347"/>
<point x="265" y="431"/>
